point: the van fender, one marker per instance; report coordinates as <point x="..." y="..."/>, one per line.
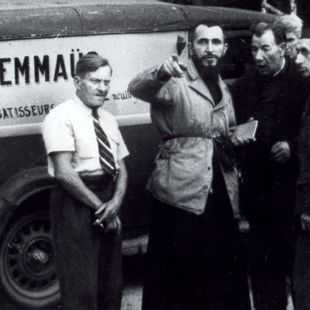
<point x="20" y="187"/>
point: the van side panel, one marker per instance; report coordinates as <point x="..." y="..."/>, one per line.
<point x="142" y="142"/>
<point x="18" y="154"/>
<point x="41" y="75"/>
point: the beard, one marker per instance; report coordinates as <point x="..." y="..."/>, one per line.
<point x="207" y="72"/>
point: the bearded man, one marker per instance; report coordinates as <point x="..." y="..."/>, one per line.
<point x="195" y="258"/>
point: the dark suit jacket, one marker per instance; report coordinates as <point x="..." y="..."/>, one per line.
<point x="269" y="187"/>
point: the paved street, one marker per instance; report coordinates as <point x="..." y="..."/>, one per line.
<point x="133" y="271"/>
<point x="132" y="299"/>
<point x="132" y="294"/>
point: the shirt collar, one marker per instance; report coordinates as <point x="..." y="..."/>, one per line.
<point x="87" y="110"/>
<point x="283" y="64"/>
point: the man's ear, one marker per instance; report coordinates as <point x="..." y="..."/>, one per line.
<point x="77" y="82"/>
<point x="225" y="48"/>
<point x="282" y="47"/>
<point x="190" y="49"/>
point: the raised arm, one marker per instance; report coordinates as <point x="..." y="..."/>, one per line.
<point x="148" y="84"/>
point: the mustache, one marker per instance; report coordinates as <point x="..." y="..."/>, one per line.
<point x="102" y="93"/>
<point x="208" y="55"/>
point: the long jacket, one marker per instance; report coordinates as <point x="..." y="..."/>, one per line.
<point x="270" y="186"/>
<point x="304" y="147"/>
<point x="303" y="182"/>
<point x="187" y="118"/>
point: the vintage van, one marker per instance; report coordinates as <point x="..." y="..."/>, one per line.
<point x="40" y="42"/>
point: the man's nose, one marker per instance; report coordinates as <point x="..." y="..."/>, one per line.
<point x="209" y="47"/>
<point x="102" y="86"/>
<point x="259" y="55"/>
<point x="298" y="59"/>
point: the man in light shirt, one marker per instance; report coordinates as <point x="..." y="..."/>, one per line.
<point x="88" y="192"/>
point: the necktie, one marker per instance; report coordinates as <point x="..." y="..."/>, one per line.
<point x="105" y="154"/>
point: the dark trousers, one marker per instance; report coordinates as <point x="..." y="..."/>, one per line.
<point x="301" y="275"/>
<point x="196" y="262"/>
<point x="88" y="261"/>
<point x="268" y="197"/>
<point x="271" y="259"/>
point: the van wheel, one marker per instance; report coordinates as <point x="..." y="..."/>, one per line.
<point x="27" y="265"/>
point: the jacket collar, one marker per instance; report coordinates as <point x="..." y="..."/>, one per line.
<point x="197" y="83"/>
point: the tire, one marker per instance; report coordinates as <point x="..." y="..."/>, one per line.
<point x="27" y="265"/>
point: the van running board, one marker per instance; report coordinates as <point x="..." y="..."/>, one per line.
<point x="135" y="246"/>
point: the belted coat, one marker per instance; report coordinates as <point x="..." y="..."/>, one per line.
<point x="188" y="119"/>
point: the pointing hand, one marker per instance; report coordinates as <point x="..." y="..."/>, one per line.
<point x="171" y="68"/>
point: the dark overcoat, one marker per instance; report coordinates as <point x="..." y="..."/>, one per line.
<point x="269" y="187"/>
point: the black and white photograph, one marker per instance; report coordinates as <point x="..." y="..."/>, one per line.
<point x="155" y="155"/>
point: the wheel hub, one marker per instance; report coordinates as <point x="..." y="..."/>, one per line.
<point x="38" y="257"/>
<point x="29" y="259"/>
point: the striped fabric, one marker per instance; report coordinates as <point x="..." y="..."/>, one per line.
<point x="105" y="154"/>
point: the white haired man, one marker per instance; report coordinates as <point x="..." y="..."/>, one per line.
<point x="292" y="26"/>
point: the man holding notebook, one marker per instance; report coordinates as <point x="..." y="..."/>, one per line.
<point x="273" y="93"/>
